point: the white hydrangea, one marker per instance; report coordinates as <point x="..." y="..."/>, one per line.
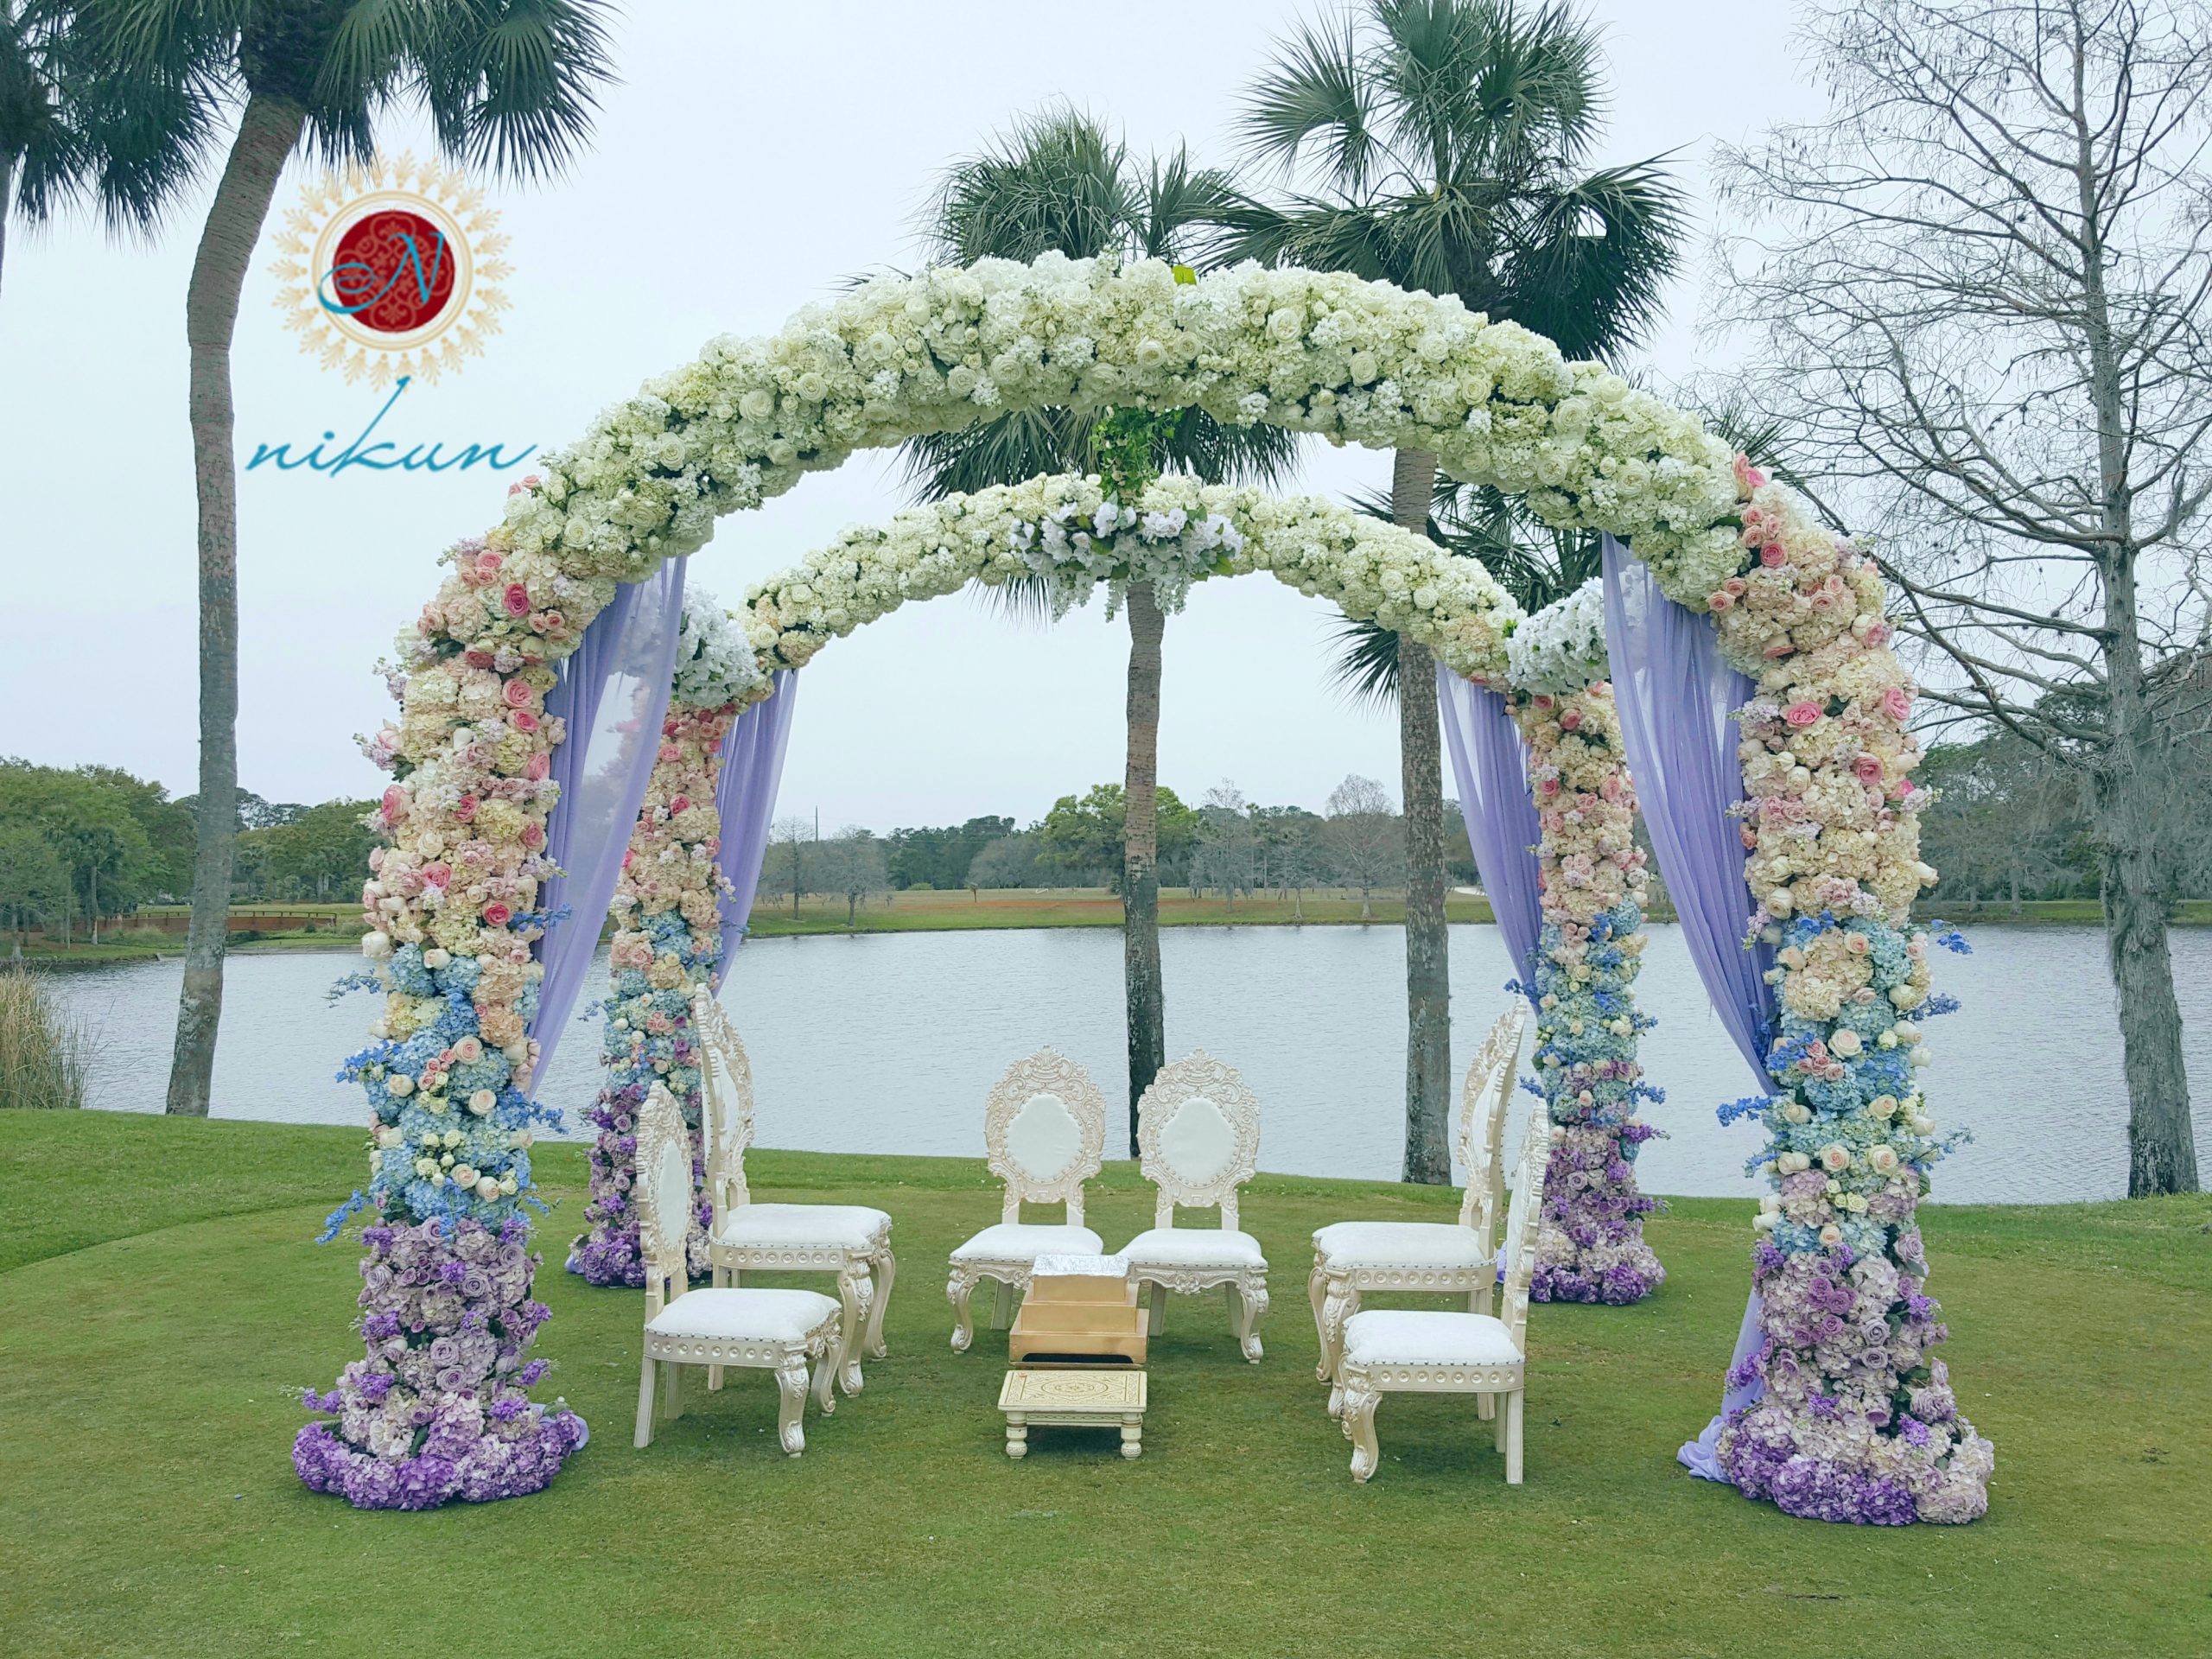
<point x="1063" y="529"/>
<point x="1355" y="361"/>
<point x="713" y="664"/>
<point x="1561" y="649"/>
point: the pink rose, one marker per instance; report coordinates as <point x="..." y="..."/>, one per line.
<point x="541" y="765"/>
<point x="1736" y="586"/>
<point x="1719" y="601"/>
<point x="476" y="659"/>
<point x="1877" y="634"/>
<point x="466" y="809"/>
<point x="1897" y="702"/>
<point x="1801" y="713"/>
<point x="1572" y="719"/>
<point x="516" y="600"/>
<point x="523" y="721"/>
<point x="1867" y="769"/>
<point x="533" y="835"/>
<point x="496" y="914"/>
<point x="488" y="562"/>
<point x="518" y="694"/>
<point x="395" y="804"/>
<point x="1778" y="650"/>
<point x="680" y="804"/>
<point x="1772" y="557"/>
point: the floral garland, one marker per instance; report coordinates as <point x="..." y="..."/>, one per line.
<point x="901" y="356"/>
<point x="1591" y="877"/>
<point x="668" y="943"/>
<point x="1858" y="1421"/>
<point x="1064" y="529"/>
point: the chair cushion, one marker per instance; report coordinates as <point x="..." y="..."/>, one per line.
<point x="1193" y="1247"/>
<point x="744" y="1315"/>
<point x="822" y="1226"/>
<point x="1399" y="1244"/>
<point x="1018" y="1241"/>
<point x="1391" y="1336"/>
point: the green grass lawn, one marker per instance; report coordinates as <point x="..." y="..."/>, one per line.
<point x="162" y="1304"/>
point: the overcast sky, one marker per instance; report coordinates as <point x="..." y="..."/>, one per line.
<point x="752" y="159"/>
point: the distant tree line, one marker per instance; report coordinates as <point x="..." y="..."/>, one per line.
<point x="80" y="847"/>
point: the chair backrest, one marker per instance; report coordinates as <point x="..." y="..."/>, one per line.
<point x="1045" y="1133"/>
<point x="1483" y="1101"/>
<point x="1198" y="1136"/>
<point x="726" y="1103"/>
<point x="1523" y="1221"/>
<point x="662" y="1186"/>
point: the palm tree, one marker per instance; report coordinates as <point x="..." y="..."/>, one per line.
<point x="43" y="156"/>
<point x="1060" y="181"/>
<point x="509" y="85"/>
<point x="1444" y="144"/>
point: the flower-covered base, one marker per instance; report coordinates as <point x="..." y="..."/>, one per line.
<point x="437" y="1407"/>
<point x="1589" y="1246"/>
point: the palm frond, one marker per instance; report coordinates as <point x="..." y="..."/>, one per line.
<point x="1003" y="450"/>
<point x="1315" y="92"/>
<point x="1592" y="260"/>
<point x="1366" y="667"/>
<point x="1057" y="182"/>
<point x="524" y="96"/>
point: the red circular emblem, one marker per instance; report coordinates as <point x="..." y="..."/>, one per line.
<point x="391" y="272"/>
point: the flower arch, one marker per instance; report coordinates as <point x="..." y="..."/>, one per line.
<point x="1356" y="362"/>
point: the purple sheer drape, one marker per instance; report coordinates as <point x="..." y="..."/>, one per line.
<point x="1675" y="693"/>
<point x="1491" y="763"/>
<point x="613" y="695"/>
<point x="753" y="764"/>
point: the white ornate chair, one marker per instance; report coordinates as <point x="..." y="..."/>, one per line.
<point x="850" y="1241"/>
<point x="1446" y="1257"/>
<point x="778" y="1331"/>
<point x="1397" y="1350"/>
<point x="1044" y="1136"/>
<point x="1198" y="1136"/>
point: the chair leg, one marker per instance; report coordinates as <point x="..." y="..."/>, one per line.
<point x="853" y="1297"/>
<point x="883" y="1269"/>
<point x="1317" y="1292"/>
<point x="1359" y="1429"/>
<point x="1490" y="1408"/>
<point x="1340" y="1304"/>
<point x="722" y="1276"/>
<point x="1156" y="1313"/>
<point x="791" y="1413"/>
<point x="825" y="1374"/>
<point x="671" y="1390"/>
<point x="1001" y="1305"/>
<point x="959" y="1290"/>
<point x="1247" y="1301"/>
<point x="1513" y="1413"/>
<point x="646" y="1402"/>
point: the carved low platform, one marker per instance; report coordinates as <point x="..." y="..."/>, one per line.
<point x="1092" y="1397"/>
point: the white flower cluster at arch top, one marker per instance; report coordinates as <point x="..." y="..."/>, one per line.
<point x="1560" y="649"/>
<point x="714" y="667"/>
<point x="1352" y="361"/>
<point x="1063" y="528"/>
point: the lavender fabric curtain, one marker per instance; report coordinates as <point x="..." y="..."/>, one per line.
<point x="752" y="766"/>
<point x="1674" y="694"/>
<point x="1491" y="763"/>
<point x="613" y="692"/>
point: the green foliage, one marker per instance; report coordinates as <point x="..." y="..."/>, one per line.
<point x="118" y="840"/>
<point x="320" y="854"/>
<point x="939" y="858"/>
<point x="1083" y="833"/>
<point x="44" y="1054"/>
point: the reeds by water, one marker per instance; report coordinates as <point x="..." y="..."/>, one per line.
<point x="44" y="1054"/>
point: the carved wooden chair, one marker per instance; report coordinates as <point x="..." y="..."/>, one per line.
<point x="850" y="1241"/>
<point x="778" y="1331"/>
<point x="1396" y="1350"/>
<point x="1452" y="1258"/>
<point x="1198" y="1138"/>
<point x="1044" y="1136"/>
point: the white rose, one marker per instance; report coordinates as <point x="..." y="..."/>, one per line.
<point x="376" y="946"/>
<point x="400" y="1084"/>
<point x="481" y="1102"/>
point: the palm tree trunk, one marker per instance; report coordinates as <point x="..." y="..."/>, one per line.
<point x="266" y="134"/>
<point x="1428" y="979"/>
<point x="1140" y="854"/>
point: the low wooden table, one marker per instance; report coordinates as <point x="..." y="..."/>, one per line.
<point x="1085" y="1398"/>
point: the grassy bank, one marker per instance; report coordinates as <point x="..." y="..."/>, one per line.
<point x="335" y="927"/>
<point x="147" y="1506"/>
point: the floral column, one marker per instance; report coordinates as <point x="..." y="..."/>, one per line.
<point x="668" y="943"/>
<point x="1858" y="1421"/>
<point x="1590" y="875"/>
<point x="438" y="1406"/>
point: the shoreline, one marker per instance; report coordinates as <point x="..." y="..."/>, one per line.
<point x="919" y="911"/>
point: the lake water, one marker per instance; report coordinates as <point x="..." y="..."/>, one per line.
<point x="889" y="1043"/>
